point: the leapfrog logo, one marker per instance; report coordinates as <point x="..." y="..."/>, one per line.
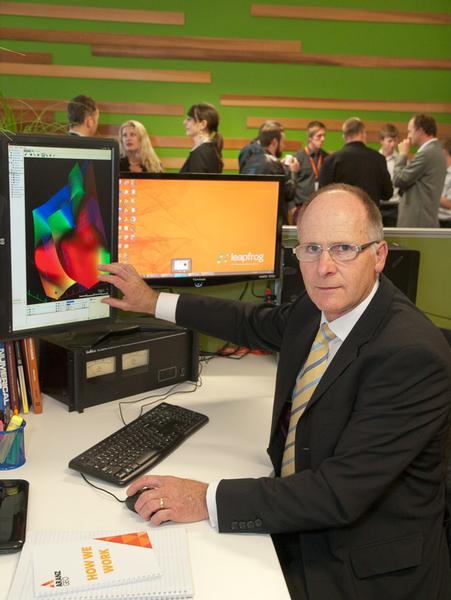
<point x="243" y="259"/>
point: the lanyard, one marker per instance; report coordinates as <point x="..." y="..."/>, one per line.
<point x="315" y="167"/>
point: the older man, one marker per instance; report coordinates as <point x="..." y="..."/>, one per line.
<point x="359" y="421"/>
<point x="420" y="182"/>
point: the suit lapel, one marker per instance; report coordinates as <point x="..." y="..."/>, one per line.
<point x="361" y="333"/>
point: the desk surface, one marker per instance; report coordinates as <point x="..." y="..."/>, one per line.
<point x="237" y="396"/>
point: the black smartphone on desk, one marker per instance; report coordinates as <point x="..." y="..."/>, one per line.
<point x="13" y="514"/>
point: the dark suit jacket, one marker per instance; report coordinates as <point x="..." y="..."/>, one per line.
<point x="358" y="165"/>
<point x="368" y="494"/>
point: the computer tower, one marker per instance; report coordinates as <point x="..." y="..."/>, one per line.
<point x="84" y="369"/>
<point x="401" y="268"/>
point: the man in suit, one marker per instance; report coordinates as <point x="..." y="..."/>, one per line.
<point x="358" y="165"/>
<point x="310" y="159"/>
<point x="356" y="506"/>
<point x="83" y="116"/>
<point x="420" y="182"/>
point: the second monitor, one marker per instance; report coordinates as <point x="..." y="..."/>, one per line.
<point x="196" y="229"/>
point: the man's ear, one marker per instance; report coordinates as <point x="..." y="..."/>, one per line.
<point x="381" y="256"/>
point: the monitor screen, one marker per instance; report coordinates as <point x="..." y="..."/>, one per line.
<point x="58" y="209"/>
<point x="195" y="229"/>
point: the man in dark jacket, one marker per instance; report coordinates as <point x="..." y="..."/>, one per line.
<point x="264" y="159"/>
<point x="358" y="165"/>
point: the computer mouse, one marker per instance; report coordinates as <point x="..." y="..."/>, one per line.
<point x="130" y="501"/>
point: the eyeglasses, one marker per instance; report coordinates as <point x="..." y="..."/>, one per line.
<point x="339" y="252"/>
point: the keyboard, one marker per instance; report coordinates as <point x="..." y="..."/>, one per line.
<point x="141" y="444"/>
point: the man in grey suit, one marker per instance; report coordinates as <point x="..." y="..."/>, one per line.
<point x="420" y="182"/>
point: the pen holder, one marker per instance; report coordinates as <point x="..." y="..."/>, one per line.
<point x="12" y="448"/>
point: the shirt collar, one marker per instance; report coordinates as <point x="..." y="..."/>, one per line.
<point x="343" y="325"/>
<point x="423" y="146"/>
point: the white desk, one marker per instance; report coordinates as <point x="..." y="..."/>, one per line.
<point x="237" y="397"/>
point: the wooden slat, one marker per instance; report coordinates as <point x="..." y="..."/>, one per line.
<point x="372" y="62"/>
<point x="346" y="14"/>
<point x="173" y="162"/>
<point x="173" y="141"/>
<point x="87" y="13"/>
<point x="372" y="127"/>
<point x="23" y="117"/>
<point x="194" y="43"/>
<point x="262" y="56"/>
<point x="83" y="72"/>
<point x="37" y="58"/>
<point x="126" y="108"/>
<point x="336" y="104"/>
<point x="268" y="56"/>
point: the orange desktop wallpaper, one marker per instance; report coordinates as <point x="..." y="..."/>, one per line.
<point x="190" y="227"/>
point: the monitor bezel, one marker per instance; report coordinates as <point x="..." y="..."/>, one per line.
<point x="65" y="141"/>
<point x="211" y="280"/>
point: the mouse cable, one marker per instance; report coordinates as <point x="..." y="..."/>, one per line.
<point x="101" y="489"/>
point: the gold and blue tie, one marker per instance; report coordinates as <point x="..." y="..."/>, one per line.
<point x="308" y="379"/>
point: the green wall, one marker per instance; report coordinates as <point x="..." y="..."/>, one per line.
<point x="231" y="18"/>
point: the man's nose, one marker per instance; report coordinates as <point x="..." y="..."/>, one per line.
<point x="326" y="264"/>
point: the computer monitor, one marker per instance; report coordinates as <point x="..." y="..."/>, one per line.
<point x="58" y="221"/>
<point x="179" y="229"/>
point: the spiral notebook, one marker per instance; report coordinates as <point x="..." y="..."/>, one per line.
<point x="93" y="562"/>
<point x="171" y="549"/>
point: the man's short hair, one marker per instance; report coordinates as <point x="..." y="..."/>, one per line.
<point x="375" y="226"/>
<point x="389" y="131"/>
<point x="426" y="123"/>
<point x="447" y="145"/>
<point x="352" y="127"/>
<point x="269" y="131"/>
<point x="313" y="127"/>
<point x="79" y="108"/>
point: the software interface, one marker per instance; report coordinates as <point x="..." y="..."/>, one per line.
<point x="60" y="225"/>
<point x="188" y="228"/>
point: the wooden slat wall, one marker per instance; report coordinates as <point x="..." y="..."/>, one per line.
<point x="83" y="72"/>
<point x="335" y="104"/>
<point x="347" y="14"/>
<point x="87" y="13"/>
<point x="128" y="108"/>
<point x="39" y="58"/>
<point x="216" y="49"/>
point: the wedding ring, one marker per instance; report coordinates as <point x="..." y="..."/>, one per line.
<point x="161" y="503"/>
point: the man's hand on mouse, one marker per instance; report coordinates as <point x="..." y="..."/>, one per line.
<point x="170" y="499"/>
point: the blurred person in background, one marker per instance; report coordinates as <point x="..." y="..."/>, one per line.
<point x="137" y="153"/>
<point x="201" y="125"/>
<point x="82" y="116"/>
<point x="444" y="211"/>
<point x="389" y="139"/>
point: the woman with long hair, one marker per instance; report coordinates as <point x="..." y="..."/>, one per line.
<point x="201" y="125"/>
<point x="137" y="153"/>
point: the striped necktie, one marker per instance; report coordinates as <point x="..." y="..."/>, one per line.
<point x="308" y="379"/>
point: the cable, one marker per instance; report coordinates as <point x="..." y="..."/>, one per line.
<point x="101" y="489"/>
